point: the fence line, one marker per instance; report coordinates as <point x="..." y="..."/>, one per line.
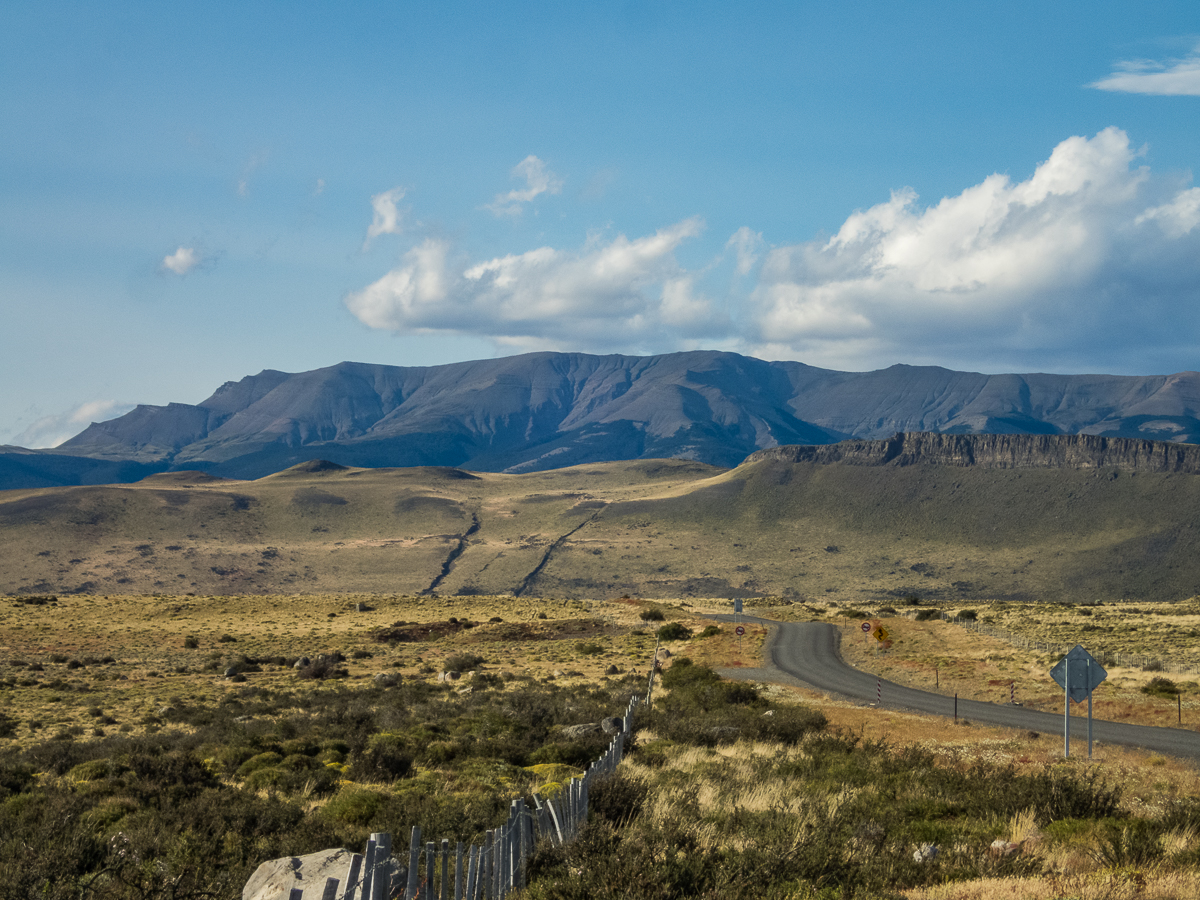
<point x="484" y="871"/>
<point x="1111" y="657"/>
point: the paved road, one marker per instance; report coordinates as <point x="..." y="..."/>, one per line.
<point x="806" y="653"/>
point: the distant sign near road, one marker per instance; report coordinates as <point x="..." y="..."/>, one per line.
<point x="739" y="631"/>
<point x="866" y="627"/>
<point x="1085" y="673"/>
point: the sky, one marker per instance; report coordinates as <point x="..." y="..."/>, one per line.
<point x="194" y="192"/>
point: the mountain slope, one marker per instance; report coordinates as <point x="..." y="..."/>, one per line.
<point x="547" y="410"/>
<point x="955" y="517"/>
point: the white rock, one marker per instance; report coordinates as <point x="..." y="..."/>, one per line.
<point x="274" y="879"/>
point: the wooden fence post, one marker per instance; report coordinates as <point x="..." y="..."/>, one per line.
<point x="414" y="859"/>
<point x="368" y="870"/>
<point x="381" y="882"/>
<point x="352" y="877"/>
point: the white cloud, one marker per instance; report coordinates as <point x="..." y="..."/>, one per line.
<point x="387" y="215"/>
<point x="538" y="180"/>
<point x="1088" y="263"/>
<point x="747" y="245"/>
<point x="181" y="261"/>
<point x="632" y="290"/>
<point x="50" y="431"/>
<point x="1061" y="263"/>
<point x="1178" y="217"/>
<point x="1175" y="77"/>
<point x="319" y="189"/>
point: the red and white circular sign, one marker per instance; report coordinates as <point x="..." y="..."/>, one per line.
<point x="739" y="631"/>
<point x="866" y="627"/>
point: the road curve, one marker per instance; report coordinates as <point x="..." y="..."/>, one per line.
<point x="807" y="653"/>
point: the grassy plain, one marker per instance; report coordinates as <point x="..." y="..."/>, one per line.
<point x="666" y="528"/>
<point x="124" y="668"/>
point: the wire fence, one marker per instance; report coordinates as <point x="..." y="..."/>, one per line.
<point x="1105" y="657"/>
<point x="490" y="869"/>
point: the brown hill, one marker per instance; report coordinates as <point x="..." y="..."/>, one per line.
<point x="956" y="517"/>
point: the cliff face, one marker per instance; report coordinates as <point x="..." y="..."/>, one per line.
<point x="999" y="451"/>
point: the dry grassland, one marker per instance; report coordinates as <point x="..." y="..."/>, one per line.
<point x="948" y="658"/>
<point x="151" y="663"/>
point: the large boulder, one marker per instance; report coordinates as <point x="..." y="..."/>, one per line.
<point x="274" y="879"/>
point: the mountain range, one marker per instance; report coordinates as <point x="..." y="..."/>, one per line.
<point x="543" y="411"/>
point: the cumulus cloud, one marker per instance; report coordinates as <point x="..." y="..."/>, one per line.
<point x="747" y="246"/>
<point x="182" y="261"/>
<point x="1178" y="217"/>
<point x="1088" y="263"/>
<point x="1173" y="77"/>
<point x="1069" y="263"/>
<point x="538" y="180"/>
<point x="50" y="431"/>
<point x="387" y="215"/>
<point x="632" y="288"/>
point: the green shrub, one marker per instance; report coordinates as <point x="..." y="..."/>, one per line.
<point x="191" y="642"/>
<point x="1161" y="687"/>
<point x="968" y="615"/>
<point x="710" y="631"/>
<point x="926" y="615"/>
<point x="464" y="662"/>
<point x="653" y="614"/>
<point x="674" y="631"/>
<point x="587" y="648"/>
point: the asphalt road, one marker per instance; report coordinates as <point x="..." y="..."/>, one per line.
<point x="806" y="653"/>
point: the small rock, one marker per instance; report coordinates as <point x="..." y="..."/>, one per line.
<point x="612" y="725"/>
<point x="770" y="713"/>
<point x="362" y="607"/>
<point x="925" y="853"/>
<point x="664" y="653"/>
<point x="302" y="662"/>
<point x="1001" y="847"/>
<point x="231" y="671"/>
<point x="612" y="670"/>
<point x="573" y="732"/>
<point x="387" y="679"/>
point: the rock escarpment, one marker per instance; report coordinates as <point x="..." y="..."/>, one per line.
<point x="999" y="451"/>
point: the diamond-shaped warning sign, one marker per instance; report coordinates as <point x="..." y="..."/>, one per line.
<point x="1078" y="673"/>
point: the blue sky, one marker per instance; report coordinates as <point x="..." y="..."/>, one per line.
<point x="190" y="193"/>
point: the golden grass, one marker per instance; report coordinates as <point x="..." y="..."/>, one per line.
<point x="1136" y="885"/>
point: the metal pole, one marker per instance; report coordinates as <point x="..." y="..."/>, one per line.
<point x="1067" y="709"/>
<point x="956" y="707"/>
<point x="1089" y="665"/>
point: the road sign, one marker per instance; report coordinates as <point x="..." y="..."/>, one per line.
<point x="1085" y="674"/>
<point x="739" y="631"/>
<point x="880" y="634"/>
<point x="1077" y="674"/>
<point x="866" y="627"/>
<point x="737" y="604"/>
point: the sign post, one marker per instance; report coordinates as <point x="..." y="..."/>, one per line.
<point x="1078" y="673"/>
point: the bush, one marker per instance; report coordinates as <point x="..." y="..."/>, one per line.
<point x="710" y="631"/>
<point x="1161" y="687"/>
<point x="968" y="615"/>
<point x="586" y="648"/>
<point x="674" y="631"/>
<point x="654" y="614"/>
<point x="191" y="642"/>
<point x="464" y="662"/>
<point x="926" y="615"/>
